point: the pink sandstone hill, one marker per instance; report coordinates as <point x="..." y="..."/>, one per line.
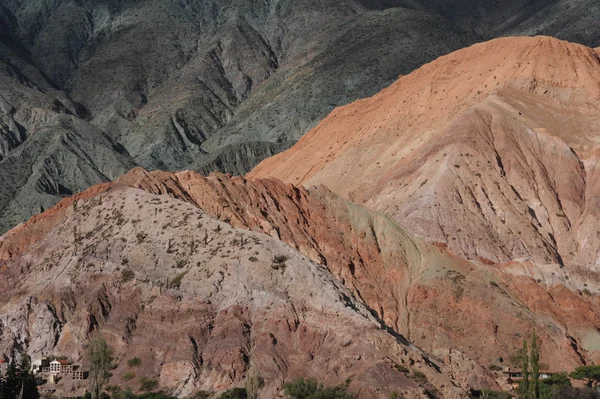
<point x="203" y="304"/>
<point x="492" y="150"/>
<point x="357" y="296"/>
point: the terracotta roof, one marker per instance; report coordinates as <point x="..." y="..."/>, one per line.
<point x="62" y="362"/>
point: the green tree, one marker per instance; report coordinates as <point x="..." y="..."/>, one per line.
<point x="567" y="392"/>
<point x="100" y="358"/>
<point x="234" y="393"/>
<point x="591" y="374"/>
<point x="524" y="386"/>
<point x="200" y="395"/>
<point x="254" y="383"/>
<point x="11" y="385"/>
<point x="17" y="378"/>
<point x="301" y="388"/>
<point x="311" y="389"/>
<point x="556" y="380"/>
<point x="555" y="383"/>
<point x="535" y="368"/>
<point x="30" y="390"/>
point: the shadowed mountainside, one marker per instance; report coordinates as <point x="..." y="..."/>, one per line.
<point x="195" y="84"/>
<point x="208" y="85"/>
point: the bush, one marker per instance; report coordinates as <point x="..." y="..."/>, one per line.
<point x="279" y="258"/>
<point x="127" y="275"/>
<point x="490" y="394"/>
<point x="279" y="262"/>
<point x="310" y="388"/>
<point x="152" y="395"/>
<point x="148" y="384"/>
<point x="128" y="376"/>
<point x="419" y="376"/>
<point x="176" y="283"/>
<point x="494" y="284"/>
<point x="497" y="394"/>
<point x="134" y="362"/>
<point x="557" y="379"/>
<point x="590" y="374"/>
<point x="200" y="395"/>
<point x="401" y="368"/>
<point x="234" y="393"/>
<point x="113" y="389"/>
<point x="495" y="367"/>
<point x="148" y="395"/>
<point x="567" y="392"/>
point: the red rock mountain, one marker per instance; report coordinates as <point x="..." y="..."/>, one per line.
<point x="492" y="150"/>
<point x="203" y="304"/>
<point x="487" y="157"/>
<point x="63" y="271"/>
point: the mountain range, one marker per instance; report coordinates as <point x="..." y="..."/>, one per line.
<point x="208" y="85"/>
<point x="219" y="268"/>
<point x="418" y="193"/>
<point x="504" y="146"/>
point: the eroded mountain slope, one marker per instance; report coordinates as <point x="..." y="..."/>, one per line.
<point x="469" y="314"/>
<point x="208" y="85"/>
<point x="452" y="307"/>
<point x="572" y="20"/>
<point x="491" y="150"/>
<point x="201" y="303"/>
<point x="202" y="84"/>
<point x="47" y="149"/>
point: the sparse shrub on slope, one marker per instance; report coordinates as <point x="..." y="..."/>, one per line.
<point x="200" y="395"/>
<point x="148" y="384"/>
<point x="311" y="389"/>
<point x="490" y="394"/>
<point x="419" y="376"/>
<point x="134" y="362"/>
<point x="234" y="393"/>
<point x="128" y="376"/>
<point x="127" y="275"/>
<point x="131" y="395"/>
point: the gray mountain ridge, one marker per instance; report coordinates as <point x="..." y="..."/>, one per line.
<point x="92" y="88"/>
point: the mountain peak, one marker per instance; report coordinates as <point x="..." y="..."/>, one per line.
<point x="447" y="145"/>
